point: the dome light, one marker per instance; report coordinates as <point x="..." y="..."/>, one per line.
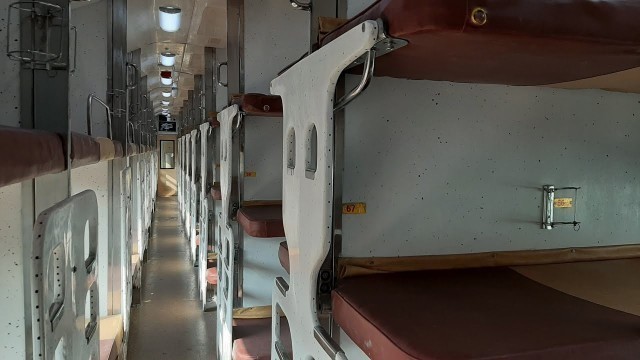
<point x="166" y="93"/>
<point x="170" y="18"/>
<point x="165" y="77"/>
<point x="167" y="59"/>
<point x="165" y="102"/>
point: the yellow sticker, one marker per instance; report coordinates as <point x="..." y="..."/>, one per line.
<point x="249" y="174"/>
<point x="563" y="202"/>
<point x="354" y="208"/>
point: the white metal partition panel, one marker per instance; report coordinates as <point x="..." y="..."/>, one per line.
<point x="187" y="186"/>
<point x="204" y="214"/>
<point x="195" y="194"/>
<point x="126" y="236"/>
<point x="307" y="90"/>
<point x="65" y="288"/>
<point x="226" y="247"/>
<point x="180" y="172"/>
<point x="136" y="213"/>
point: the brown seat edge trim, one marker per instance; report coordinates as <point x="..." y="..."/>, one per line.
<point x="352" y="266"/>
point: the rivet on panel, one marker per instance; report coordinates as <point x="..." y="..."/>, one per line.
<point x="479" y="16"/>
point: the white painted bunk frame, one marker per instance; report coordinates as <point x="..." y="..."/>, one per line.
<point x="307" y="90"/>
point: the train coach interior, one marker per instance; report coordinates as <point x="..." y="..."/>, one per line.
<point x="328" y="179"/>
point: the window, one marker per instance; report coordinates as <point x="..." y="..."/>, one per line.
<point x="167" y="154"/>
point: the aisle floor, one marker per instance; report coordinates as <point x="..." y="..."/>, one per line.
<point x="169" y="323"/>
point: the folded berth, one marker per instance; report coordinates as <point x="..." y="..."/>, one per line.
<point x="252" y="334"/>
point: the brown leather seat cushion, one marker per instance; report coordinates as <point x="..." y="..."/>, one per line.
<point x="28" y="154"/>
<point x="212" y="276"/>
<point x="84" y="150"/>
<point x="216" y="192"/>
<point x="119" y="150"/>
<point x="490" y="313"/>
<point x="132" y="149"/>
<point x="252" y="338"/>
<point x="523" y="42"/>
<point x="263" y="221"/>
<point x="283" y="255"/>
<point x="258" y="104"/>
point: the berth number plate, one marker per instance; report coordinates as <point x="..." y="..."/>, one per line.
<point x="563" y="203"/>
<point x="250" y="174"/>
<point x="354" y="208"/>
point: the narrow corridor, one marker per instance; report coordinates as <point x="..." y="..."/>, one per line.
<point x="169" y="323"/>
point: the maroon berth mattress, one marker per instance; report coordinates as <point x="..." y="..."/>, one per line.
<point x="29" y="154"/>
<point x="263" y="221"/>
<point x="513" y="42"/>
<point x="258" y="104"/>
<point x="489" y="313"/>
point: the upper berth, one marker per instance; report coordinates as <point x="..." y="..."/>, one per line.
<point x="570" y="44"/>
<point x="258" y="104"/>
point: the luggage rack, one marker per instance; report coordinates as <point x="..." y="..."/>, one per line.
<point x="43" y="18"/>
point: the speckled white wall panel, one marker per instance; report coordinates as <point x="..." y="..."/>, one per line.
<point x="275" y="36"/>
<point x="356" y="6"/>
<point x="91" y="73"/>
<point x="266" y="54"/>
<point x="263" y="154"/>
<point x="260" y="267"/>
<point x="12" y="341"/>
<point x="9" y="72"/>
<point x="95" y="177"/>
<point x="456" y="168"/>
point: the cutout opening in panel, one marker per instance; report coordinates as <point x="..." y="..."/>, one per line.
<point x="311" y="158"/>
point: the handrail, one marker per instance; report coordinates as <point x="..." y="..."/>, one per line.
<point x="133" y="85"/>
<point x="367" y="74"/>
<point x="90" y="99"/>
<point x="131" y="136"/>
<point x="220" y="65"/>
<point x="75" y="49"/>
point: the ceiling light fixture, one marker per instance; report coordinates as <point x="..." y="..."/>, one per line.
<point x="165" y="102"/>
<point x="170" y="18"/>
<point x="165" y="78"/>
<point x="166" y="93"/>
<point x="167" y="58"/>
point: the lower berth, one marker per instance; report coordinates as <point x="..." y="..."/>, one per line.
<point x="252" y="333"/>
<point x="494" y="313"/>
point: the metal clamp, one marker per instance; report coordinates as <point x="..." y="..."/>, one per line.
<point x="90" y="99"/>
<point x="220" y="65"/>
<point x="301" y="6"/>
<point x="549" y="200"/>
<point x="367" y="74"/>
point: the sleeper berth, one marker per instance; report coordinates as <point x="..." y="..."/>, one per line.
<point x="262" y="220"/>
<point x="29" y="154"/>
<point x="522" y="42"/>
